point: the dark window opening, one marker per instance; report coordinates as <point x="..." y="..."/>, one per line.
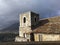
<point x="35" y="19"/>
<point x="24" y="20"/>
<point x="24" y="35"/>
<point x="32" y="37"/>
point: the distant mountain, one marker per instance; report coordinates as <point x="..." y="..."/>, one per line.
<point x="14" y="28"/>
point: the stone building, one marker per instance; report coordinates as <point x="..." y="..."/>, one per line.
<point x="27" y="22"/>
<point x="48" y="30"/>
<point x="34" y="29"/>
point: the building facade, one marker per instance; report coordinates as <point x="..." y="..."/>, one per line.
<point x="46" y="37"/>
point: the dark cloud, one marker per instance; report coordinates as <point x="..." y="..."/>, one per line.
<point x="10" y="9"/>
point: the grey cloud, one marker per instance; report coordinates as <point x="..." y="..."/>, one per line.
<point x="10" y="9"/>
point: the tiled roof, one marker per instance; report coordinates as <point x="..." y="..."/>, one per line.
<point x="49" y="25"/>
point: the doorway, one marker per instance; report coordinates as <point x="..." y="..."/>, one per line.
<point x="32" y="37"/>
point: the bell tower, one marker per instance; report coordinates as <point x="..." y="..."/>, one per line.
<point x="27" y="21"/>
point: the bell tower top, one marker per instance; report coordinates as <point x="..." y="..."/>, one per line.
<point x="29" y="19"/>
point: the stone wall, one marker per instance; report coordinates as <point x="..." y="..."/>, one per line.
<point x="23" y="30"/>
<point x="20" y="39"/>
<point x="51" y="37"/>
<point x="46" y="37"/>
<point x="24" y="27"/>
<point x="28" y="19"/>
<point x="34" y="18"/>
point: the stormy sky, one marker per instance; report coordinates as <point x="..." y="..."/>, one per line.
<point x="10" y="9"/>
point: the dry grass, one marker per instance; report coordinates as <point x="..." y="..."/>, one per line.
<point x="29" y="43"/>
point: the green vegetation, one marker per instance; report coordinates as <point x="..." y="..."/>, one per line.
<point x="7" y="37"/>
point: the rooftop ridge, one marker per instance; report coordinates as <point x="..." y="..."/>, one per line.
<point x="50" y="17"/>
<point x="28" y="12"/>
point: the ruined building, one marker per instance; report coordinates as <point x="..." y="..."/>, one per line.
<point x="32" y="28"/>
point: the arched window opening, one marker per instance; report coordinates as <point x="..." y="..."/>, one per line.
<point x="35" y="19"/>
<point x="24" y="20"/>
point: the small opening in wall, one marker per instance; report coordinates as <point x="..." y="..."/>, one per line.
<point x="24" y="35"/>
<point x="24" y="20"/>
<point x="35" y="19"/>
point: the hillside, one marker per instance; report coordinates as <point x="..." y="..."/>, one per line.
<point x="14" y="28"/>
<point x="7" y="37"/>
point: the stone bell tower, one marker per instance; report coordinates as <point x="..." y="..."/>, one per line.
<point x="27" y="21"/>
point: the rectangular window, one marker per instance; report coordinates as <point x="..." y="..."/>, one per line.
<point x="40" y="37"/>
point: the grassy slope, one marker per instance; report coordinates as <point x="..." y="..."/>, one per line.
<point x="5" y="37"/>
